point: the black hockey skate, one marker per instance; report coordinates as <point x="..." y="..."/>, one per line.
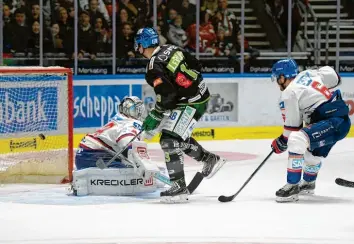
<point x="177" y="193"/>
<point x="212" y="164"/>
<point x="288" y="193"/>
<point x="307" y="188"/>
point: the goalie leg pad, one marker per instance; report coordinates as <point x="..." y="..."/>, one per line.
<point x="111" y="182"/>
<point x="173" y="156"/>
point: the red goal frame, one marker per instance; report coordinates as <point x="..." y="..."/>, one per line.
<point x="53" y="70"/>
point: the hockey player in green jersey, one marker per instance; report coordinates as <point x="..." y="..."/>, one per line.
<point x="181" y="93"/>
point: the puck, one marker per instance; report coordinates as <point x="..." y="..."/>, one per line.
<point x="41" y="136"/>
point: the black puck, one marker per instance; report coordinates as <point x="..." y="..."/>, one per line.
<point x="41" y="136"/>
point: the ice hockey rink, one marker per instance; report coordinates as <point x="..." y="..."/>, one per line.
<point x="46" y="214"/>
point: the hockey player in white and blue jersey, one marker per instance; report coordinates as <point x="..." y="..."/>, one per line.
<point x="132" y="174"/>
<point x="315" y="119"/>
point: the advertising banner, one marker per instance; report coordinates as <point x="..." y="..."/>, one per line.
<point x="95" y="104"/>
<point x="27" y="109"/>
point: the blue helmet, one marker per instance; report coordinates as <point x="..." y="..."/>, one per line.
<point x="146" y="37"/>
<point x="286" y="67"/>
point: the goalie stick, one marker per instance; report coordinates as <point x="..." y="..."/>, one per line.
<point x="102" y="165"/>
<point x="223" y="198"/>
<point x="346" y="183"/>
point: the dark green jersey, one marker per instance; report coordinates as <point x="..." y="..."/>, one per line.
<point x="175" y="76"/>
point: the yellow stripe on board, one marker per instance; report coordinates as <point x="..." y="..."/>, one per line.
<point x="201" y="134"/>
<point x="36" y="143"/>
<point x="229" y="133"/>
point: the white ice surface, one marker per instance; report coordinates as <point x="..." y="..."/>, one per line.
<point x="45" y="214"/>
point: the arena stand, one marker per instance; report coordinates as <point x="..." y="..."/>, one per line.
<point x="265" y="32"/>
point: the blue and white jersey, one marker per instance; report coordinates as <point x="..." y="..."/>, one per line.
<point x="114" y="135"/>
<point x="304" y="94"/>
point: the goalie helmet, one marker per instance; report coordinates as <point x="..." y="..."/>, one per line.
<point x="132" y="107"/>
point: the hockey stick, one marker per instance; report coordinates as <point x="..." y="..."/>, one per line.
<point x="346" y="183"/>
<point x="223" y="198"/>
<point x="102" y="165"/>
<point x="197" y="179"/>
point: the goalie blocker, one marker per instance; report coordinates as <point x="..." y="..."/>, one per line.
<point x="122" y="179"/>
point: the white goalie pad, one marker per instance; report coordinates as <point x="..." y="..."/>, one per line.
<point x="144" y="167"/>
<point x="111" y="182"/>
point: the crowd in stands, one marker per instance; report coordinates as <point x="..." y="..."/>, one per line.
<point x="219" y="28"/>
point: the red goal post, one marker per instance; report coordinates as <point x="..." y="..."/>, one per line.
<point x="36" y="124"/>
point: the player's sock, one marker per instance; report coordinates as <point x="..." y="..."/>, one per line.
<point x="308" y="184"/>
<point x="295" y="162"/>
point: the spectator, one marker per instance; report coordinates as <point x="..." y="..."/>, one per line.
<point x="125" y="43"/>
<point x="53" y="41"/>
<point x="34" y="14"/>
<point x="188" y="12"/>
<point x="123" y="16"/>
<point x="224" y="45"/>
<point x="103" y="37"/>
<point x="176" y="35"/>
<point x="206" y="35"/>
<point x="248" y="49"/>
<point x="19" y="32"/>
<point x="7" y="16"/>
<point x="226" y="19"/>
<point x="95" y="13"/>
<point x="65" y="24"/>
<point x="209" y="7"/>
<point x="123" y="19"/>
<point x="33" y="42"/>
<point x="86" y="37"/>
<point x="162" y="39"/>
<point x="172" y="14"/>
<point x="84" y="4"/>
<point x="133" y="11"/>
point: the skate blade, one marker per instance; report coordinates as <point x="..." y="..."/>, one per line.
<point x="183" y="198"/>
<point x="293" y="198"/>
<point x="307" y="192"/>
<point x="216" y="168"/>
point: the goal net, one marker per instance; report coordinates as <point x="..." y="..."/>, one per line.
<point x="36" y="125"/>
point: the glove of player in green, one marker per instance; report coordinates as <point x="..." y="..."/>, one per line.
<point x="152" y="121"/>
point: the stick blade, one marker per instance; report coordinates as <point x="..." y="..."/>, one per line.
<point x="225" y="198"/>
<point x="100" y="164"/>
<point x="345" y="183"/>
<point x="197" y="179"/>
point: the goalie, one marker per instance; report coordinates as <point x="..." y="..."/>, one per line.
<point x="131" y="173"/>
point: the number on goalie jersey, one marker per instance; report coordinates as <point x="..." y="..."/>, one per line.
<point x="307" y="100"/>
<point x="121" y="178"/>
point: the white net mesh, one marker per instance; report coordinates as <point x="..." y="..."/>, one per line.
<point x="34" y="124"/>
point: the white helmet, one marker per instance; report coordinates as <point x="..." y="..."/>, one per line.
<point x="132" y="107"/>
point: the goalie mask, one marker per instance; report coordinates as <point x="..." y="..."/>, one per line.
<point x="132" y="107"/>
